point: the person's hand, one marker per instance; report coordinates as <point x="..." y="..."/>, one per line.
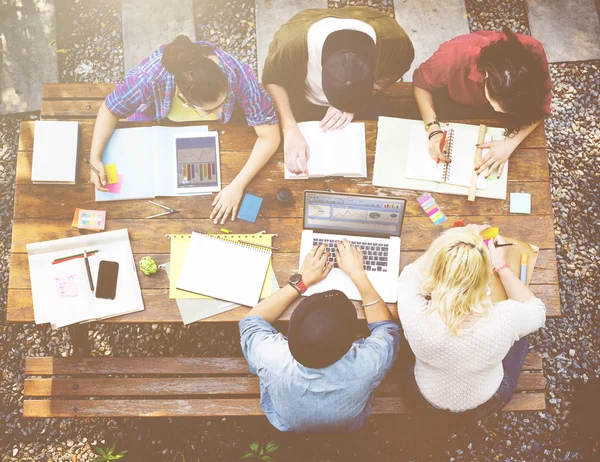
<point x="496" y="157"/>
<point x="349" y="259"/>
<point x="226" y="203"/>
<point x="335" y="119"/>
<point x="434" y="147"/>
<point x="295" y="147"/>
<point x="314" y="267"/>
<point x="99" y="182"/>
<point x="498" y="254"/>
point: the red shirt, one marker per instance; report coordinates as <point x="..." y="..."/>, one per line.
<point x="454" y="66"/>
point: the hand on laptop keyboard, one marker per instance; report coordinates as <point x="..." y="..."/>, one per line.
<point x="350" y="258"/>
<point x="375" y="255"/>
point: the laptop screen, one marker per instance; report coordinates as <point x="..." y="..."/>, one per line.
<point x="353" y="214"/>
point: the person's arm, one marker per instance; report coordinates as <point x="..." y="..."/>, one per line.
<point x="314" y="269"/>
<point x="105" y="125"/>
<point x="294" y="144"/>
<point x="514" y="288"/>
<point x="226" y="203"/>
<point x="427" y="109"/>
<point x="350" y="260"/>
<point x="500" y="151"/>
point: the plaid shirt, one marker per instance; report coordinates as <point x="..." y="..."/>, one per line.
<point x="147" y="91"/>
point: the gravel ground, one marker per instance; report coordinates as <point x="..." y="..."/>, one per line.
<point x="386" y="6"/>
<point x="89" y="32"/>
<point x="493" y="15"/>
<point x="569" y="345"/>
<point x="230" y="25"/>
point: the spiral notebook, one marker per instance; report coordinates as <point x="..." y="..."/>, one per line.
<point x="222" y="269"/>
<point x="461" y="154"/>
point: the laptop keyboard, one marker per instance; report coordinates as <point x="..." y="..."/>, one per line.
<point x="375" y="256"/>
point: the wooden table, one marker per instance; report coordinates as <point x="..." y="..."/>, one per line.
<point x="44" y="212"/>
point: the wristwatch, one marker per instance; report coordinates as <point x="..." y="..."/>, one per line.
<point x="297" y="283"/>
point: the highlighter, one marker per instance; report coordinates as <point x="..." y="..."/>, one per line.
<point x="523" y="273"/>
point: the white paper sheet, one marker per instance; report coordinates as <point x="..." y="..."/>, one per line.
<point x="54" y="152"/>
<point x="335" y="153"/>
<point x="61" y="293"/>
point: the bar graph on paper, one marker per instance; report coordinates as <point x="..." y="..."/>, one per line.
<point x="196" y="162"/>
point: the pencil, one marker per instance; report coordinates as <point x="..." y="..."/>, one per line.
<point x="87" y="268"/>
<point x="504" y="245"/>
<point x="78" y="255"/>
<point x="92" y="167"/>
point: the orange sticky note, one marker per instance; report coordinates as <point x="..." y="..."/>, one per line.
<point x="111" y="174"/>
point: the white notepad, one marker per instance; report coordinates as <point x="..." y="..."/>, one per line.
<point x="334" y="153"/>
<point x="222" y="269"/>
<point x="55" y="152"/>
<point x="461" y="153"/>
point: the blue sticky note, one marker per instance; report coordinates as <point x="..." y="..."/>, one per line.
<point x="250" y="208"/>
<point x="520" y="203"/>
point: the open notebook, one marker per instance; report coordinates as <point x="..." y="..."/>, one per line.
<point x="223" y="269"/>
<point x="461" y="154"/>
<point x="335" y="153"/>
<point x="393" y="151"/>
<point x="179" y="246"/>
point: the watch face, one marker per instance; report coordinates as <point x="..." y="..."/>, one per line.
<point x="295" y="278"/>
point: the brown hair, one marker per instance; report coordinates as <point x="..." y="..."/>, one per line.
<point x="515" y="79"/>
<point x="199" y="78"/>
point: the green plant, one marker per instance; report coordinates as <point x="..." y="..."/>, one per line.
<point x="260" y="452"/>
<point x="105" y="455"/>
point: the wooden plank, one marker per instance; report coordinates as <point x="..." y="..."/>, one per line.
<point x="283" y="263"/>
<point x="76" y="90"/>
<point x="216" y="407"/>
<point x="31" y="200"/>
<point x="160" y="309"/>
<point x="49" y="365"/>
<point x="148" y="236"/>
<point x="193" y="386"/>
<point x="527" y="165"/>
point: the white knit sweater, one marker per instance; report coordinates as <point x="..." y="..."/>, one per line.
<point x="460" y="372"/>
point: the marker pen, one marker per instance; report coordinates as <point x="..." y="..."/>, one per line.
<point x="523" y="274"/>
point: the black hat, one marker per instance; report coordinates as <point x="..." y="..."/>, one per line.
<point x="348" y="60"/>
<point x="322" y="329"/>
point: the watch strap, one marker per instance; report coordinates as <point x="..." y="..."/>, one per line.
<point x="296" y="288"/>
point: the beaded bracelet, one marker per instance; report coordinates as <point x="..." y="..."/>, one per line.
<point x="434" y="133"/>
<point x="501" y="267"/>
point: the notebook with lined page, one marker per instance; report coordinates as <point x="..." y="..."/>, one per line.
<point x="224" y="269"/>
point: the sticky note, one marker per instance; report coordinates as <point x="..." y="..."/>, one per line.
<point x="431" y="208"/>
<point x="490" y="233"/>
<point x="250" y="208"/>
<point x="520" y="203"/>
<point x="116" y="187"/>
<point x="111" y="173"/>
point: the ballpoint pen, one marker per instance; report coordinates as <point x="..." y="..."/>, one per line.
<point x="87" y="268"/>
<point x="92" y="167"/>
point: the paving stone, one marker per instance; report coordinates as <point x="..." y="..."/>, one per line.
<point x="429" y="23"/>
<point x="271" y="15"/>
<point x="147" y="24"/>
<point x="27" y="54"/>
<point x="569" y="29"/>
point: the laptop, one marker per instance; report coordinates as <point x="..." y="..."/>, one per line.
<point x="373" y="223"/>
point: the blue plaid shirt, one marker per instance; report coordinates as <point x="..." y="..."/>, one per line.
<point x="146" y="92"/>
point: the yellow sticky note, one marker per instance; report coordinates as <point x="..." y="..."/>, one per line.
<point x="111" y="174"/>
<point x="490" y="233"/>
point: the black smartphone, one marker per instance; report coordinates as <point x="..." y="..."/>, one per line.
<point x="106" y="285"/>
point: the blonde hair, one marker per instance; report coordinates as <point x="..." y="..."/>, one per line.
<point x="457" y="271"/>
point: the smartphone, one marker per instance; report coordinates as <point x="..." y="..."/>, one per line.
<point x="106" y="285"/>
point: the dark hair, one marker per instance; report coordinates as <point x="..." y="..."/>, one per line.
<point x="199" y="78"/>
<point x="515" y="79"/>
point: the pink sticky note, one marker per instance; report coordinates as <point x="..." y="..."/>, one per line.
<point x="116" y="187"/>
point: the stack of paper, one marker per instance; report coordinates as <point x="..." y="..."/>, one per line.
<point x="194" y="306"/>
<point x="61" y="292"/>
<point x="54" y="152"/>
<point x="334" y="153"/>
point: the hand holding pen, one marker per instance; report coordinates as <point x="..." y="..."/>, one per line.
<point x="97" y="175"/>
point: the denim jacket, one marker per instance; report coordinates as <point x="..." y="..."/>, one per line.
<point x="336" y="397"/>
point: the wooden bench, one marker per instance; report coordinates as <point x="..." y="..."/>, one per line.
<point x="190" y="387"/>
<point x="88" y="387"/>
